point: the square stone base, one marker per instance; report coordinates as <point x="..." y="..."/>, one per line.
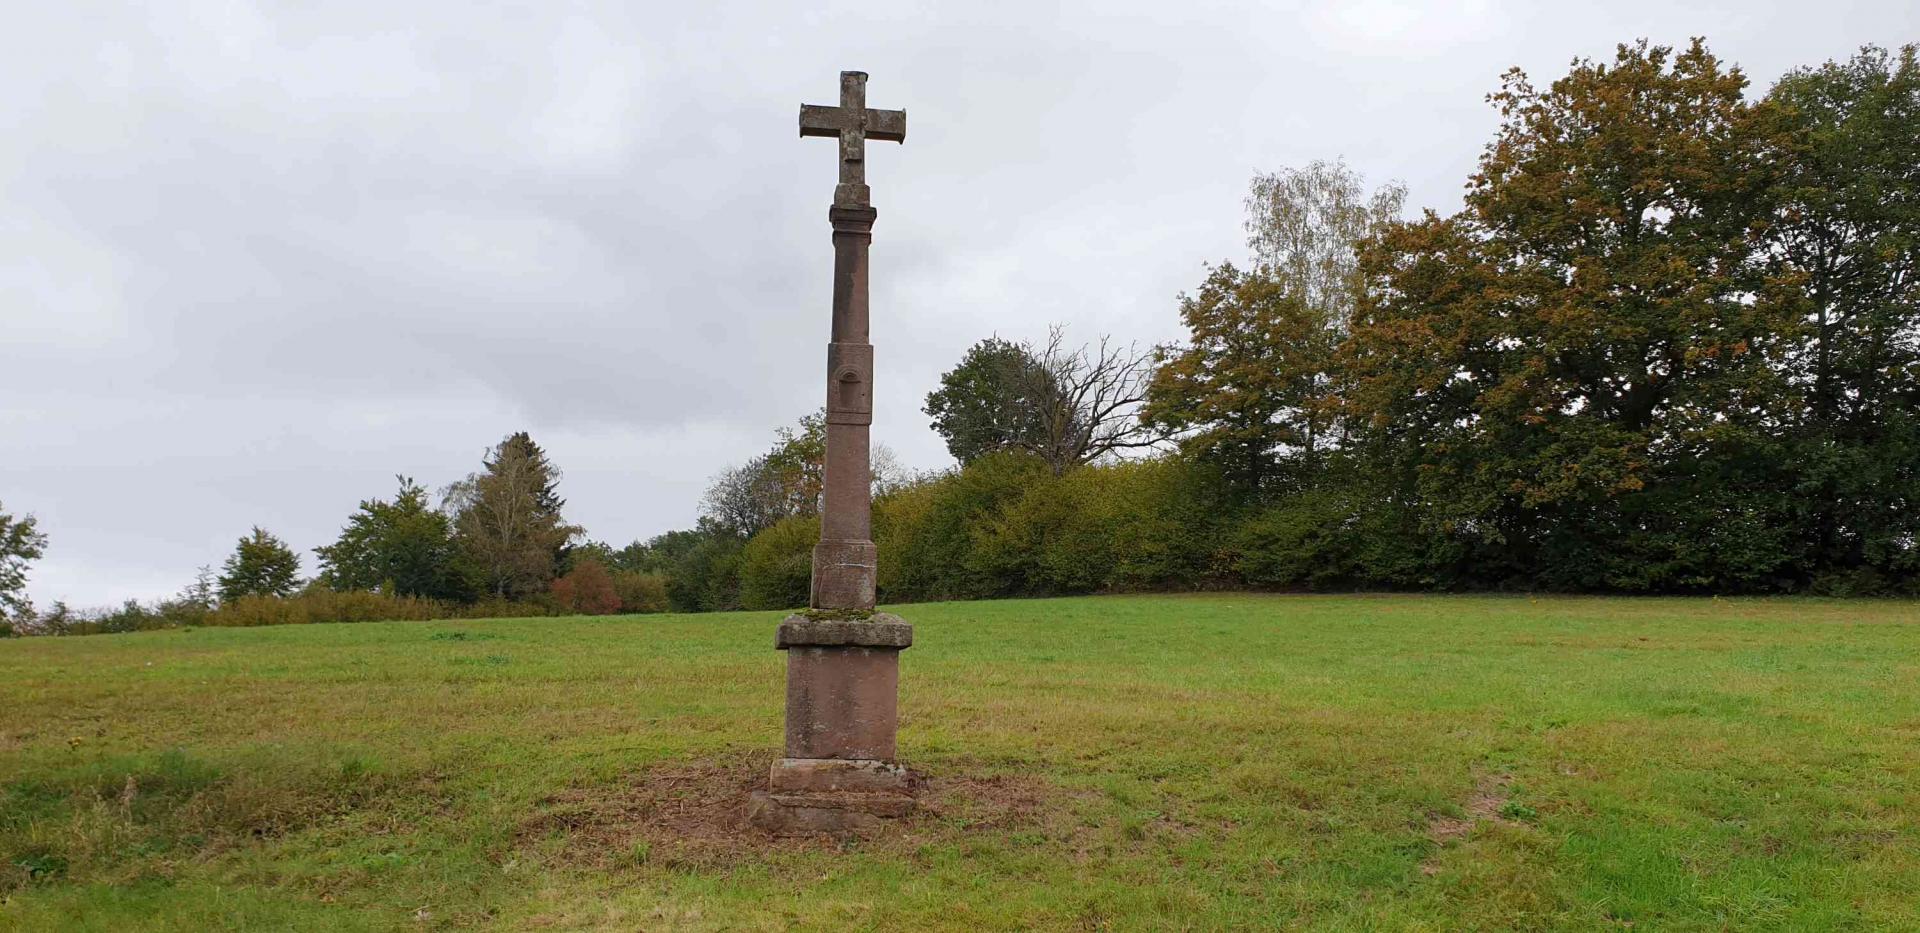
<point x="843" y="685"/>
<point x="838" y="776"/>
<point x="825" y="814"/>
<point x="831" y="796"/>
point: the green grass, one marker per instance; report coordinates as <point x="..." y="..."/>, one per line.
<point x="1202" y="762"/>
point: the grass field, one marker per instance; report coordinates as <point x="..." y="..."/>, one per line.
<point x="1123" y="762"/>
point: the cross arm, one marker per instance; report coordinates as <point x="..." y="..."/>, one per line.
<point x="821" y="120"/>
<point x="888" y="125"/>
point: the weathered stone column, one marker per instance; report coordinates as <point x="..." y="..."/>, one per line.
<point x="844" y="560"/>
<point x="843" y="658"/>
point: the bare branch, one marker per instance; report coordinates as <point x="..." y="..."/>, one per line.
<point x="1088" y="399"/>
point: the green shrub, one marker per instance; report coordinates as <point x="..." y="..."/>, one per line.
<point x="1305" y="541"/>
<point x="1006" y="526"/>
<point x="935" y="550"/>
<point x="899" y="520"/>
<point x="132" y="616"/>
<point x="640" y="592"/>
<point x="1147" y="524"/>
<point x="707" y="577"/>
<point x="323" y="605"/>
<point x="495" y="608"/>
<point x="776" y="566"/>
<point x="313" y="605"/>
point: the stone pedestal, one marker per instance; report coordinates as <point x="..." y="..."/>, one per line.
<point x="838" y="776"/>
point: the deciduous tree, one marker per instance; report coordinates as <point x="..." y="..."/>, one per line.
<point x="1843" y="253"/>
<point x="1088" y="398"/>
<point x="1586" y="329"/>
<point x="783" y="482"/>
<point x="1250" y="387"/>
<point x="404" y="546"/>
<point x="706" y="576"/>
<point x="21" y="543"/>
<point x="986" y="402"/>
<point x="1305" y="226"/>
<point x="1067" y="405"/>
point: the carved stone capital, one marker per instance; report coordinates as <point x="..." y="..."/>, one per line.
<point x="848" y="218"/>
<point x="879" y="630"/>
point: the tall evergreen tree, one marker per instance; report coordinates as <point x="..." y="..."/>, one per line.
<point x="203" y="593"/>
<point x="261" y="565"/>
<point x="507" y="519"/>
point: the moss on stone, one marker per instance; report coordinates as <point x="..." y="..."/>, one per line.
<point x="839" y="615"/>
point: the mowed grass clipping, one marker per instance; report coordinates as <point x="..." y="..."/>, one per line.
<point x="1203" y="762"/>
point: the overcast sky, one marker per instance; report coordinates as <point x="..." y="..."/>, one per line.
<point x="257" y="259"/>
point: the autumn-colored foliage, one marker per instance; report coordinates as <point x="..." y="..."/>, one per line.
<point x="587" y="589"/>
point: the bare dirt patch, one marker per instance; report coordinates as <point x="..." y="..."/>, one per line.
<point x="989" y="802"/>
<point x="1484" y="805"/>
<point x="693" y="813"/>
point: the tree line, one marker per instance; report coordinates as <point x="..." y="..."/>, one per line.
<point x="1669" y="344"/>
<point x="495" y="544"/>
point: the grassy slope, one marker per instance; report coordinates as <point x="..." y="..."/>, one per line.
<point x="1206" y="761"/>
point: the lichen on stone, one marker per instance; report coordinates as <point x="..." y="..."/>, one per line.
<point x="839" y="615"/>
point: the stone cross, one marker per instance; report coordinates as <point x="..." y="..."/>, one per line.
<point x="843" y="562"/>
<point x="854" y="124"/>
<point x="838" y="774"/>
